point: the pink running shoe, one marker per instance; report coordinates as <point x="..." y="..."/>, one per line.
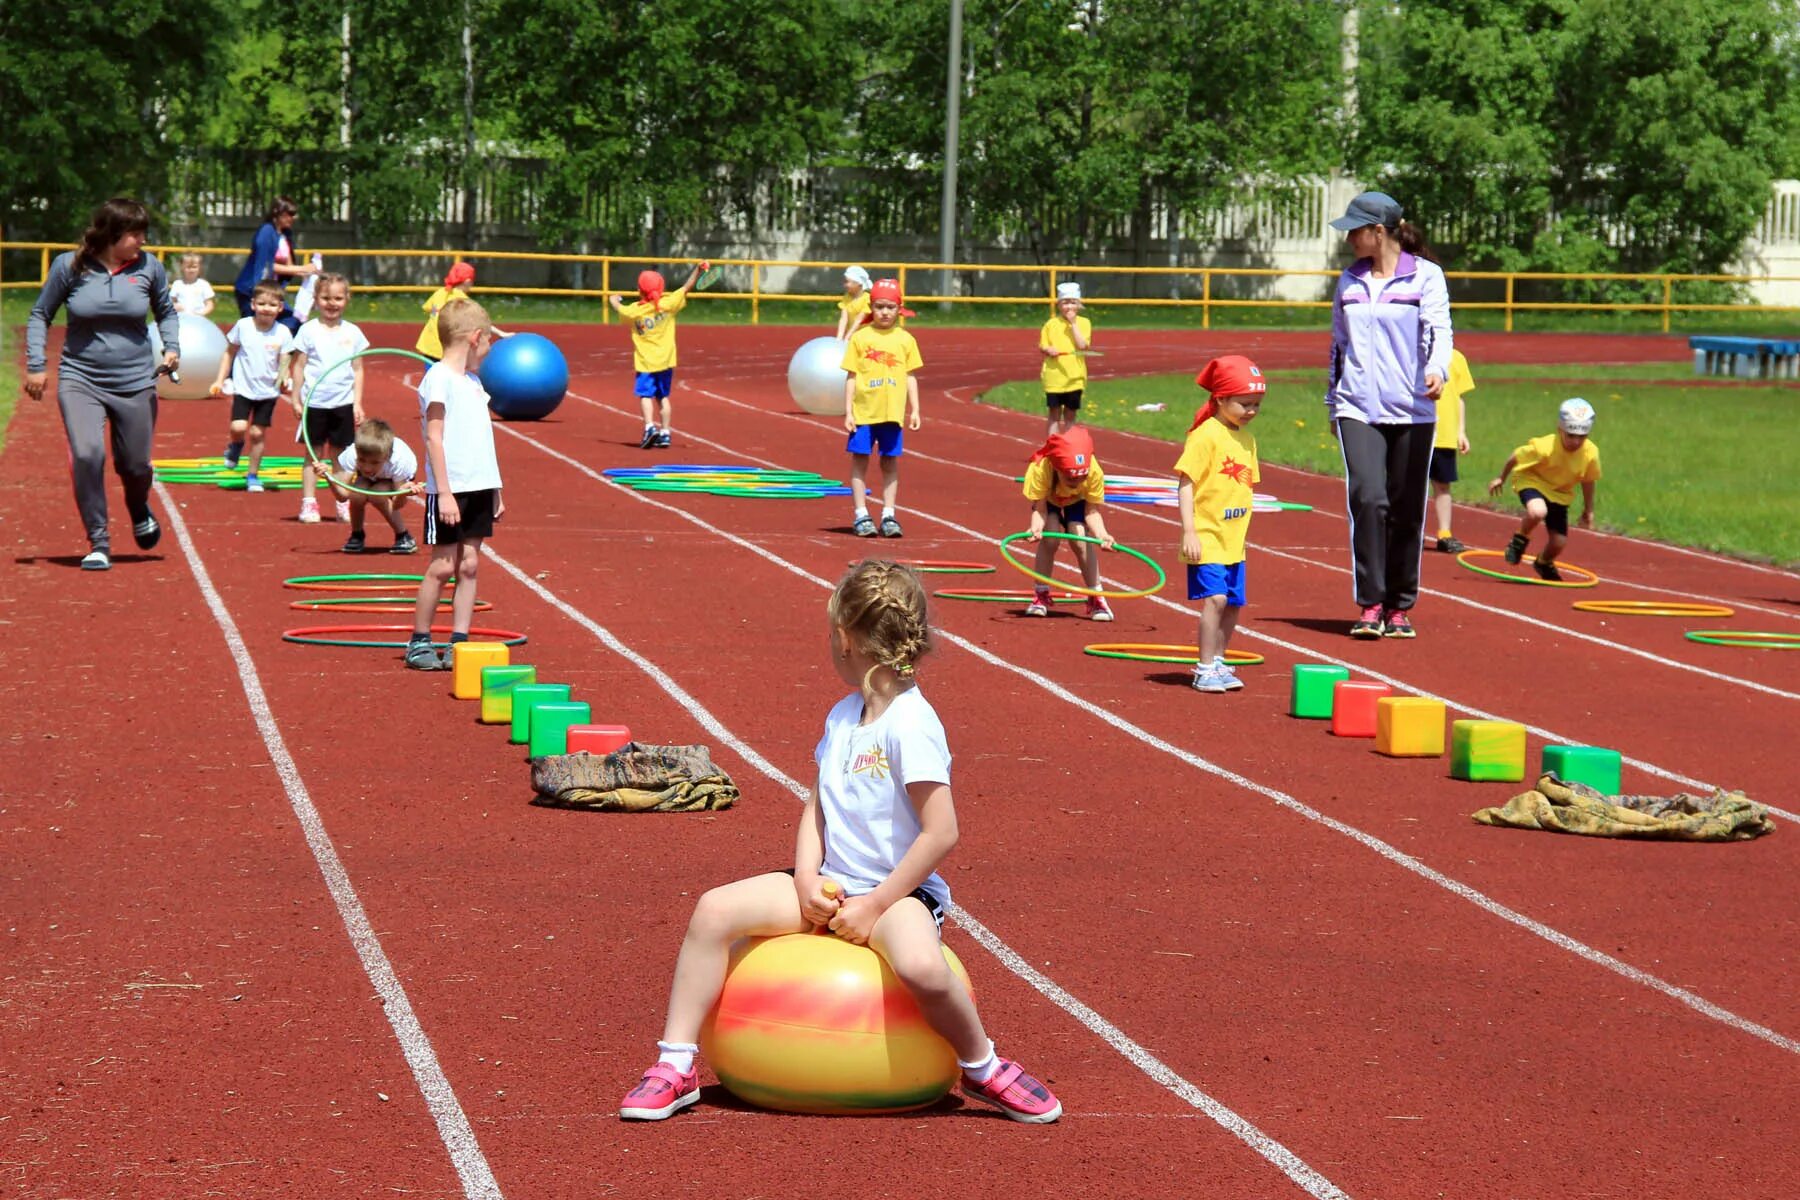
<point x="660" y="1094"/>
<point x="1098" y="609"/>
<point x="1016" y="1094"/>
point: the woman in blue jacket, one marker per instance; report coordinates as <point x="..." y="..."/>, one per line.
<point x="1390" y="355"/>
<point x="272" y="256"/>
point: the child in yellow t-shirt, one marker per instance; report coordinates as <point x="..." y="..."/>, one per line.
<point x="1065" y="370"/>
<point x="1216" y="477"/>
<point x="456" y="287"/>
<point x="1452" y="439"/>
<point x="1548" y="469"/>
<point x="880" y="389"/>
<point x="1064" y="481"/>
<point x="853" y="309"/>
<point x="652" y="321"/>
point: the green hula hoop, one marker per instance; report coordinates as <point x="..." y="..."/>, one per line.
<point x="353" y="577"/>
<point x="1742" y="638"/>
<point x="313" y="455"/>
<point x="1162" y="578"/>
<point x="1176" y="654"/>
<point x="309" y="635"/>
<point x="1003" y="597"/>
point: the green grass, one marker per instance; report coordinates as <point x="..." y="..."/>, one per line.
<point x="1709" y="467"/>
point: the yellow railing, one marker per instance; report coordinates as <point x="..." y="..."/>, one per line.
<point x="757" y="294"/>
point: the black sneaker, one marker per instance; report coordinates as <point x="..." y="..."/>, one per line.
<point x="423" y="656"/>
<point x="404" y="544"/>
<point x="1515" y="549"/>
<point x="354" y="543"/>
<point x="233" y="451"/>
<point x="651" y="433"/>
<point x="662" y="439"/>
<point x="146" y="533"/>
<point x="1547" y="570"/>
<point x="1450" y="545"/>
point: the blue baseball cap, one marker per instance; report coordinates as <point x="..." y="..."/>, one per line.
<point x="1370" y="208"/>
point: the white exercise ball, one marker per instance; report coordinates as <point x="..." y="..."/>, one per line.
<point x="202" y="349"/>
<point x="816" y="378"/>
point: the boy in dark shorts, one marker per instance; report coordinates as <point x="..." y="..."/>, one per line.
<point x="1548" y="469"/>
<point x="254" y="349"/>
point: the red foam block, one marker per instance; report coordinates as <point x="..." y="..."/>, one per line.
<point x="1353" y="707"/>
<point x="602" y="739"/>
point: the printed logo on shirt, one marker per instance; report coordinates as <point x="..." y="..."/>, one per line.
<point x="1235" y="471"/>
<point x="1232" y="514"/>
<point x="884" y="357"/>
<point x="646" y="324"/>
<point x="872" y="762"/>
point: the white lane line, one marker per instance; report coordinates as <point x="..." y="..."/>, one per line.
<point x="471" y="1165"/>
<point x="1290" y="1164"/>
<point x="1393" y="854"/>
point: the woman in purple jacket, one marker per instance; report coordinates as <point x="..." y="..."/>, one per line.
<point x="1390" y="355"/>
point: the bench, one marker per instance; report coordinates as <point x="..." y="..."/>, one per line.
<point x="1746" y="357"/>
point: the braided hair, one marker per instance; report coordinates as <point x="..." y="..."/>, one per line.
<point x="881" y="605"/>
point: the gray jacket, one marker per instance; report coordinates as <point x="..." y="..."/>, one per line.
<point x="108" y="342"/>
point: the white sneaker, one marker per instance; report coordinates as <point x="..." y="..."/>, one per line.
<point x="309" y="512"/>
<point x="1210" y="679"/>
<point x="343" y="510"/>
<point x="1040" y="604"/>
<point x="1229" y="676"/>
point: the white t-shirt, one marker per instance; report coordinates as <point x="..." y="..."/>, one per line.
<point x="863" y="774"/>
<point x="400" y="467"/>
<point x="468" y="430"/>
<point x="190" y="297"/>
<point x="324" y="345"/>
<point x="256" y="370"/>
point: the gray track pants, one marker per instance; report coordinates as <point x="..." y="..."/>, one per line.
<point x="86" y="409"/>
<point x="1386" y="473"/>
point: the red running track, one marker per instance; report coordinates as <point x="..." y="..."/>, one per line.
<point x="1254" y="960"/>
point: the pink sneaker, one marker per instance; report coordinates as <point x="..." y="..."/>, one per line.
<point x="1098" y="609"/>
<point x="664" y="1091"/>
<point x="1016" y="1094"/>
<point x="343" y="510"/>
<point x="309" y="512"/>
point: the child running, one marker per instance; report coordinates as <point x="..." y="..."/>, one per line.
<point x="1216" y="477"/>
<point x="254" y="350"/>
<point x="462" y="479"/>
<point x="879" y="390"/>
<point x="334" y="408"/>
<point x="191" y="293"/>
<point x="378" y="462"/>
<point x="853" y="309"/>
<point x="1064" y="483"/>
<point x="878" y="824"/>
<point x="1065" y="370"/>
<point x="1452" y="439"/>
<point x="1548" y="469"/>
<point x="652" y="320"/>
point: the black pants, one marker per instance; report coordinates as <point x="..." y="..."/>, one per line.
<point x="1386" y="468"/>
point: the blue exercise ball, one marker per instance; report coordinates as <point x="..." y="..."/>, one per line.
<point x="525" y="376"/>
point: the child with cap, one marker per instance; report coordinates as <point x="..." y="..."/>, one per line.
<point x="1065" y="370"/>
<point x="1215" y="478"/>
<point x="1064" y="481"/>
<point x="853" y="309"/>
<point x="878" y="391"/>
<point x="652" y="321"/>
<point x="1548" y="469"/>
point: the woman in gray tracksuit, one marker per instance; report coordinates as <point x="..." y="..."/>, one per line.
<point x="108" y="368"/>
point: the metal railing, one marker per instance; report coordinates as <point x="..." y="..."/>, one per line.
<point x="753" y="272"/>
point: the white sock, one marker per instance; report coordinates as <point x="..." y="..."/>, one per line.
<point x="981" y="1071"/>
<point x="679" y="1055"/>
<point x="860" y="513"/>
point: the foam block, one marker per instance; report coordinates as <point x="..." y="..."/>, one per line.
<point x="1311" y="694"/>
<point x="550" y="721"/>
<point x="1487" y="750"/>
<point x="524" y="695"/>
<point x="466" y="661"/>
<point x="597" y="739"/>
<point x="1409" y="726"/>
<point x="1353" y="707"/>
<point x="1595" y="766"/>
<point x="497" y="685"/>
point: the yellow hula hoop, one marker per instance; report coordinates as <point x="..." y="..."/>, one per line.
<point x="1653" y="608"/>
<point x="1158" y="652"/>
<point x="1162" y="577"/>
<point x="1590" y="581"/>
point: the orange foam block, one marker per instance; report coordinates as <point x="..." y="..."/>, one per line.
<point x="1409" y="726"/>
<point x="466" y="661"/>
<point x="597" y="739"/>
<point x="1353" y="707"/>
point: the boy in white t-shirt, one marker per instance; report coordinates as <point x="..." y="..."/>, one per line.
<point x="332" y="410"/>
<point x="462" y="478"/>
<point x="190" y="293"/>
<point x="253" y="352"/>
<point x="378" y="462"/>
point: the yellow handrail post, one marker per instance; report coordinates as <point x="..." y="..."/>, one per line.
<point x="43" y="264"/>
<point x="1668" y="295"/>
<point x="606" y="290"/>
<point x="1206" y="298"/>
<point x="755" y="292"/>
<point x="902" y="280"/>
<point x="1509" y="303"/>
<point x="1052" y="283"/>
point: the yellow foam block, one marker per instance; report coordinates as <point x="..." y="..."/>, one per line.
<point x="1409" y="726"/>
<point x="466" y="661"/>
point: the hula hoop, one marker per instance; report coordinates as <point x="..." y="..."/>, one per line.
<point x="1653" y="608"/>
<point x="306" y="403"/>
<point x="1157" y="652"/>
<point x="351" y="583"/>
<point x="1741" y="638"/>
<point x="1001" y="596"/>
<point x="1590" y="581"/>
<point x="309" y="635"/>
<point x="375" y="604"/>
<point x="1162" y="578"/>
<point x="942" y="566"/>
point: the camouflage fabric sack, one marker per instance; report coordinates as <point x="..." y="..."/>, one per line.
<point x="1577" y="808"/>
<point x="633" y="778"/>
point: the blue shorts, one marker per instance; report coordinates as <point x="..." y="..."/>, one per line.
<point x="1217" y="579"/>
<point x="654" y="385"/>
<point x="887" y="437"/>
<point x="1068" y="514"/>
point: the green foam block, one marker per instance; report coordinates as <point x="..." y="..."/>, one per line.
<point x="1487" y="750"/>
<point x="497" y="684"/>
<point x="1312" y="691"/>
<point x="550" y="723"/>
<point x="524" y="696"/>
<point x="1595" y="766"/>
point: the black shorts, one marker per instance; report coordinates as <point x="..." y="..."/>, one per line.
<point x="257" y="412"/>
<point x="1556" y="516"/>
<point x="334" y="427"/>
<point x="1443" y="464"/>
<point x="920" y="894"/>
<point x="475" y="513"/>
<point x="1068" y="400"/>
<point x="1068" y="514"/>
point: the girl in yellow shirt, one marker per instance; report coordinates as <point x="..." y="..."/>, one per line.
<point x="853" y="309"/>
<point x="1064" y="481"/>
<point x="1061" y="342"/>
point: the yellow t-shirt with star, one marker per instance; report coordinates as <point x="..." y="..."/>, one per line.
<point x="1067" y="372"/>
<point x="1450" y="402"/>
<point x="880" y="361"/>
<point x="1542" y="463"/>
<point x="1042" y="482"/>
<point x="1222" y="463"/>
<point x="653" y="330"/>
